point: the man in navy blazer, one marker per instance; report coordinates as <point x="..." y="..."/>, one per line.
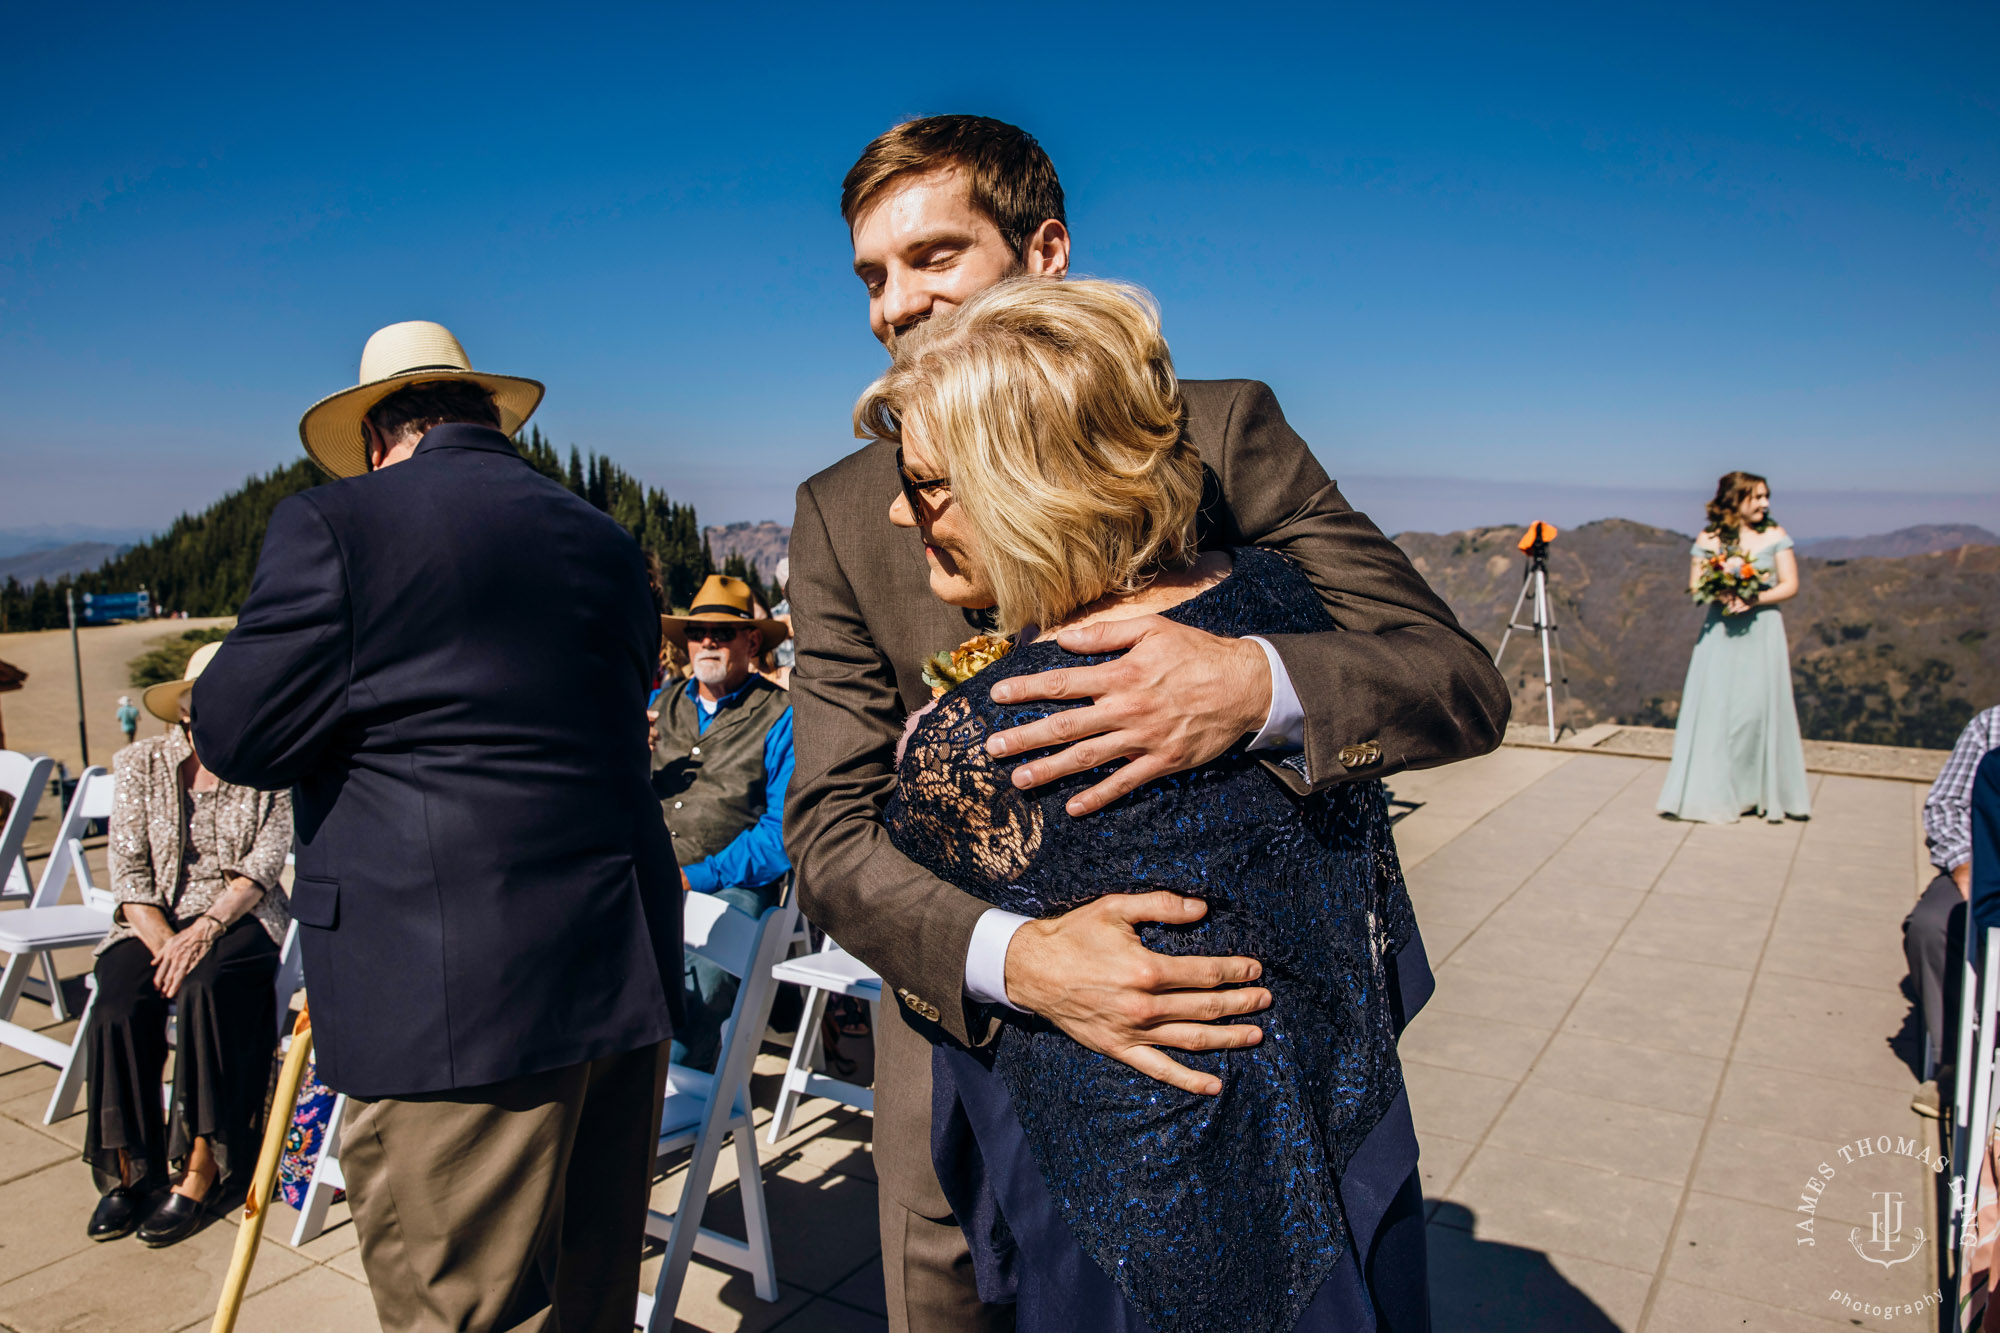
<point x="447" y="657"/>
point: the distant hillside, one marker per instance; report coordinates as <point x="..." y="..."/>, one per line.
<point x="1921" y="540"/>
<point x="48" y="536"/>
<point x="762" y="545"/>
<point x="1892" y="651"/>
<point x="202" y="564"/>
<point x="55" y="561"/>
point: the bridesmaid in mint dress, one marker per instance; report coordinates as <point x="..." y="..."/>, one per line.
<point x="1736" y="747"/>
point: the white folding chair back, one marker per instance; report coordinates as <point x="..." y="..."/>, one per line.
<point x="25" y="780"/>
<point x="832" y="971"/>
<point x="1973" y="1106"/>
<point x="92" y="799"/>
<point x="701" y="1110"/>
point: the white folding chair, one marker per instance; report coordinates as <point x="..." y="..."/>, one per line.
<point x="35" y="933"/>
<point x="90" y="801"/>
<point x="831" y="971"/>
<point x="25" y="780"/>
<point x="326" y="1176"/>
<point x="1973" y="1101"/>
<point x="702" y="1110"/>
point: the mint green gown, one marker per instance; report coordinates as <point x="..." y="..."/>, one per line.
<point x="1736" y="747"/>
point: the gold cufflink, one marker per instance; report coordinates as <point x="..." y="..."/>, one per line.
<point x="1357" y="756"/>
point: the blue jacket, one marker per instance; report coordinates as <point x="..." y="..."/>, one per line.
<point x="448" y="661"/>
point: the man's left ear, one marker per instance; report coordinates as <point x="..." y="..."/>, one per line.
<point x="1047" y="252"/>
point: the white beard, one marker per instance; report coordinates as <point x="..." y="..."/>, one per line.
<point x="710" y="670"/>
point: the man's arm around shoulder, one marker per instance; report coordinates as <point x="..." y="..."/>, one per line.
<point x="1400" y="672"/>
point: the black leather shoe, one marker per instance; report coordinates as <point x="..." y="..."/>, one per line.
<point x="174" y="1220"/>
<point x="117" y="1214"/>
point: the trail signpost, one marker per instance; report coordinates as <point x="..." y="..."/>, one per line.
<point x="101" y="608"/>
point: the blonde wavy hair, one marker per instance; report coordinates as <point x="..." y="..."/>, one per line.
<point x="1054" y="410"/>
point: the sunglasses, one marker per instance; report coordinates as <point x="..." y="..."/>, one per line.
<point x="913" y="488"/>
<point x="698" y="633"/>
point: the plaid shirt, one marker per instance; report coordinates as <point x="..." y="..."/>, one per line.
<point x="1948" y="809"/>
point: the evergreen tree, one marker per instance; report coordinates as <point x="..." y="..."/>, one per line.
<point x="202" y="564"/>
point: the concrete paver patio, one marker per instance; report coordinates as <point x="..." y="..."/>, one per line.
<point x="1647" y="1037"/>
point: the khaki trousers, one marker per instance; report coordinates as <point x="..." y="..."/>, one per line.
<point x="517" y="1205"/>
<point x="927" y="1276"/>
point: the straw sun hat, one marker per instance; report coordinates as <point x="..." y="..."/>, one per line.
<point x="164" y="700"/>
<point x="414" y="352"/>
<point x="724" y="601"/>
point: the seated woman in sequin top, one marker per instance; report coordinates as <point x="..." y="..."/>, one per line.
<point x="195" y="863"/>
<point x="1044" y="464"/>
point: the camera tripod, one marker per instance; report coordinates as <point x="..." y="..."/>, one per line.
<point x="1535" y="545"/>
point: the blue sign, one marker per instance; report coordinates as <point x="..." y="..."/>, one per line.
<point x="101" y="608"/>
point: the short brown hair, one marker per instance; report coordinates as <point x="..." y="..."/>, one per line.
<point x="1012" y="180"/>
<point x="433" y="403"/>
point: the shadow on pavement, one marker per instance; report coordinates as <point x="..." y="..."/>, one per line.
<point x="1497" y="1288"/>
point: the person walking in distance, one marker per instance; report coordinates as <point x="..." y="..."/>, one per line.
<point x="446" y="656"/>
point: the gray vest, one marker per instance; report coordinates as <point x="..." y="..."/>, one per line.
<point x="711" y="787"/>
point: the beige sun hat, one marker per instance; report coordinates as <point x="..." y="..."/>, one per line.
<point x="416" y="351"/>
<point x="164" y="700"/>
<point x="725" y="601"/>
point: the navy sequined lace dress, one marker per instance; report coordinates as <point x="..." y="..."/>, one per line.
<point x="1097" y="1197"/>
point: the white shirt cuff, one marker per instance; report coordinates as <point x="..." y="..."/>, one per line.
<point x="1285" y="725"/>
<point x="986" y="957"/>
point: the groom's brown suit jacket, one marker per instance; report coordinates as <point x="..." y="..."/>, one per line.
<point x="1399" y="672"/>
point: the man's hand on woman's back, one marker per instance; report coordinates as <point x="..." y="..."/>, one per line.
<point x="1087" y="972"/>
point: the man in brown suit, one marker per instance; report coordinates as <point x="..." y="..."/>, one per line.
<point x="939" y="209"/>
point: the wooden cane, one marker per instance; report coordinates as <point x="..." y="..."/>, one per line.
<point x="265" y="1179"/>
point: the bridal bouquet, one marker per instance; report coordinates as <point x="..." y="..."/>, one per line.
<point x="1729" y="573"/>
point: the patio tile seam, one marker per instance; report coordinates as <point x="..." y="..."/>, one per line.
<point x="1569" y="1009"/>
<point x="1519" y="1151"/>
<point x="1819" y="1071"/>
<point x="844" y="1277"/>
<point x="1535" y="869"/>
<point x="1766" y="1305"/>
<point x="11" y="1279"/>
<point x="1709" y="1121"/>
<point x="46" y="1131"/>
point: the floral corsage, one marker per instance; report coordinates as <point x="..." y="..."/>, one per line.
<point x="944" y="670"/>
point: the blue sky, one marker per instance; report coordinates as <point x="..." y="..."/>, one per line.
<point x="1610" y="253"/>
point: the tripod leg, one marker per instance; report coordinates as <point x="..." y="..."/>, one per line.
<point x="1544" y="630"/>
<point x="1513" y="617"/>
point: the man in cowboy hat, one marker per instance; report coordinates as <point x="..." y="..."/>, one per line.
<point x="447" y="655"/>
<point x="721" y="762"/>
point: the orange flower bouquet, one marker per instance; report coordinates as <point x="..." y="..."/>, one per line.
<point x="1729" y="573"/>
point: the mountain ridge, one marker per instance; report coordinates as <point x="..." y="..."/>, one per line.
<point x="1885" y="651"/>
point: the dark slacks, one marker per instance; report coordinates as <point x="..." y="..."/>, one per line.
<point x="516" y="1205"/>
<point x="1934" y="946"/>
<point x="226" y="1031"/>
